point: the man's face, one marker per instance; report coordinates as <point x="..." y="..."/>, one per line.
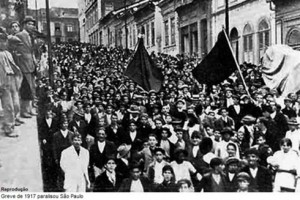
<point x="114" y="119"/>
<point x="159" y="156"/>
<point x="224" y="113"/>
<point x="111" y="166"/>
<point x="132" y="127"/>
<point x="243" y="184"/>
<point x="167" y="175"/>
<point x="158" y="124"/>
<point x="101" y="135"/>
<point x="184" y="188"/>
<point x="233" y="167"/>
<point x="231" y="150"/>
<point x="29" y="26"/>
<point x="77" y="142"/>
<point x="65" y="126"/>
<point x="15" y="28"/>
<point x="152" y="141"/>
<point x="260" y="141"/>
<point x="135" y="173"/>
<point x="196" y="141"/>
<point x="252" y="160"/>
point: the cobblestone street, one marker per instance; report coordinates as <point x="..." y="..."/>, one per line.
<point x="20" y="159"/>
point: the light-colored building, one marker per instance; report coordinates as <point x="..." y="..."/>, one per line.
<point x="95" y="10"/>
<point x="83" y="36"/>
<point x="64" y="25"/>
<point x="287" y="22"/>
<point x="252" y="27"/>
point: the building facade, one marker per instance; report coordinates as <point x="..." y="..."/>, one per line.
<point x="252" y="27"/>
<point x="287" y="22"/>
<point x="64" y="24"/>
<point x="95" y="10"/>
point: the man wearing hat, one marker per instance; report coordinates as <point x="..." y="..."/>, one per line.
<point x="288" y="110"/>
<point x="294" y="134"/>
<point x="10" y="79"/>
<point x="123" y="159"/>
<point x="260" y="177"/>
<point x="243" y="180"/>
<point x="231" y="171"/>
<point x="27" y="64"/>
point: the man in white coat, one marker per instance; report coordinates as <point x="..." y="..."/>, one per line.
<point x="74" y="162"/>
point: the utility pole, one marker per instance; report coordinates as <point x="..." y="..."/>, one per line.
<point x="36" y="15"/>
<point x="51" y="77"/>
<point x="125" y="24"/>
<point x="226" y="18"/>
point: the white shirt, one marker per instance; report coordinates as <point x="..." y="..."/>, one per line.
<point x="132" y="135"/>
<point x="64" y="133"/>
<point x="87" y="117"/>
<point x="237" y="108"/>
<point x="101" y="146"/>
<point x="165" y="145"/>
<point x="195" y="150"/>
<point x="136" y="186"/>
<point x="272" y="115"/>
<point x="183" y="170"/>
<point x="253" y="172"/>
<point x="231" y="176"/>
<point x="49" y="121"/>
<point x="158" y="177"/>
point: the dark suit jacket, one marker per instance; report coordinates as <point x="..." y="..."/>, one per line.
<point x="136" y="144"/>
<point x="114" y="137"/>
<point x="59" y="143"/>
<point x="206" y="183"/>
<point x="126" y="184"/>
<point x="231" y="186"/>
<point x="235" y="116"/>
<point x="263" y="180"/>
<point x="25" y="61"/>
<point x="195" y="161"/>
<point x="82" y="129"/>
<point x="220" y="124"/>
<point x="102" y="183"/>
<point x="98" y="159"/>
<point x="46" y="132"/>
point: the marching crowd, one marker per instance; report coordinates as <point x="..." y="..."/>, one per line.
<point x="99" y="131"/>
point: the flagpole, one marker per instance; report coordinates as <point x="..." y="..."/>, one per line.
<point x="237" y="65"/>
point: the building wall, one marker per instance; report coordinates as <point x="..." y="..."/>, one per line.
<point x="243" y="12"/>
<point x="288" y="22"/>
<point x="64" y="24"/>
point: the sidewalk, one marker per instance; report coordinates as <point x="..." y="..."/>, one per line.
<point x="20" y="163"/>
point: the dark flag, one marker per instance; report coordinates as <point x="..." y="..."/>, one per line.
<point x="143" y="71"/>
<point x="218" y="65"/>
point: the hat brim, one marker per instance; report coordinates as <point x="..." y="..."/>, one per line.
<point x="133" y="111"/>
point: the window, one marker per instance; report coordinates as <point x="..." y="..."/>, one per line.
<point x="57" y="27"/>
<point x="148" y="35"/>
<point x="130" y="36"/>
<point x="172" y="31"/>
<point x="234" y="40"/>
<point x="70" y="28"/>
<point x="248" y="44"/>
<point x="263" y="37"/>
<point x="220" y="3"/>
<point x="293" y="39"/>
<point x="166" y="33"/>
<point x="152" y="34"/>
<point x="134" y="35"/>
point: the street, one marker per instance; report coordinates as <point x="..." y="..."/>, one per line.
<point x="20" y="159"/>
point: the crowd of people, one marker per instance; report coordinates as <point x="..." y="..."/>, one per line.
<point x="99" y="131"/>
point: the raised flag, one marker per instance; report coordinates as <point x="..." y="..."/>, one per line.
<point x="142" y="70"/>
<point x="281" y="69"/>
<point x="218" y="65"/>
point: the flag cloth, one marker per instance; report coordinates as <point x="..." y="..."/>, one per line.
<point x="281" y="69"/>
<point x="218" y="65"/>
<point x="142" y="70"/>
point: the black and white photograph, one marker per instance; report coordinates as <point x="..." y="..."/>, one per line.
<point x="156" y="96"/>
